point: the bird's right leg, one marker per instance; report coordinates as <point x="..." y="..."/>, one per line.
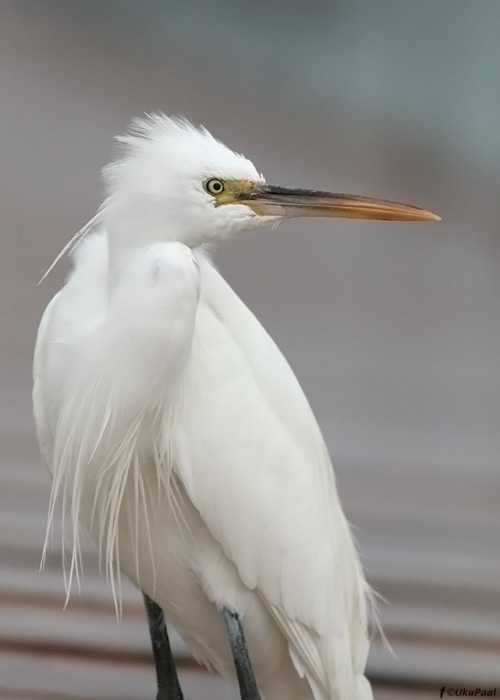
<point x="166" y="674"/>
<point x="241" y="658"/>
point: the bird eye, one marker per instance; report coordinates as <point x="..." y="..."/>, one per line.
<point x="214" y="186"/>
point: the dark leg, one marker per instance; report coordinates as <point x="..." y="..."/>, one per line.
<point x="244" y="671"/>
<point x="166" y="674"/>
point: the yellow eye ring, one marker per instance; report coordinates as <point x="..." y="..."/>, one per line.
<point x="214" y="186"/>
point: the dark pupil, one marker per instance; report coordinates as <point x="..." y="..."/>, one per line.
<point x="216" y="186"/>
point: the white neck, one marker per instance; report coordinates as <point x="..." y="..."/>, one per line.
<point x="128" y="233"/>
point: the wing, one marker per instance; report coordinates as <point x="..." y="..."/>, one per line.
<point x="264" y="485"/>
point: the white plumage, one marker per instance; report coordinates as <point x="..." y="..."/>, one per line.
<point x="175" y="430"/>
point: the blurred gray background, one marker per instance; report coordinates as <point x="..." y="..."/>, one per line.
<point x="393" y="329"/>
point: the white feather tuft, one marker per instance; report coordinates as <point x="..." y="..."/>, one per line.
<point x="104" y="477"/>
<point x="77" y="239"/>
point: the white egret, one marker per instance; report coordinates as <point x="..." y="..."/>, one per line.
<point x="175" y="430"/>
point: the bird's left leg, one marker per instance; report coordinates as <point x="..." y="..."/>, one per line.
<point x="241" y="658"/>
<point x="166" y="673"/>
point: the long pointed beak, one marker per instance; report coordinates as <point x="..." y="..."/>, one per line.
<point x="271" y="200"/>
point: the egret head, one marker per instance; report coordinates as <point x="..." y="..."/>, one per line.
<point x="177" y="182"/>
